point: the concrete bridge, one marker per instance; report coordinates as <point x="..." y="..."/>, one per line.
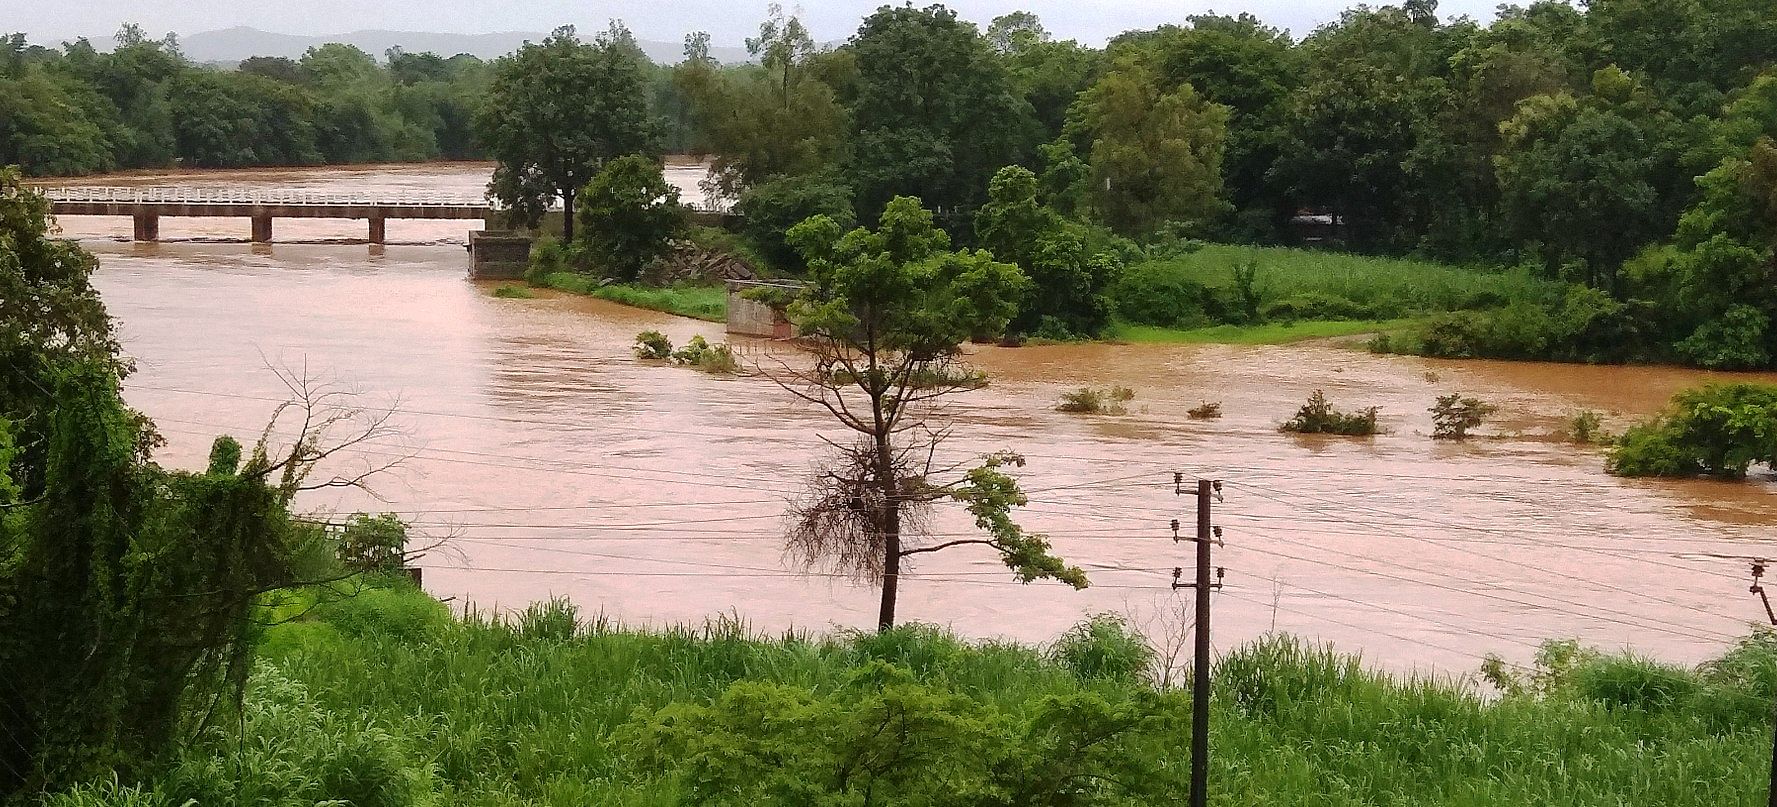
<point x="147" y="204"/>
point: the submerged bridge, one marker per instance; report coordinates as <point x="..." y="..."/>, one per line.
<point x="147" y="204"/>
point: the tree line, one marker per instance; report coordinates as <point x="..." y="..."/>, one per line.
<point x="77" y="110"/>
<point x="1622" y="151"/>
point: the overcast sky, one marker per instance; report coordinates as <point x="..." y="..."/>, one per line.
<point x="1090" y="21"/>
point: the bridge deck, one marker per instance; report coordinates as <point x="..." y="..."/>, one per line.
<point x="95" y="200"/>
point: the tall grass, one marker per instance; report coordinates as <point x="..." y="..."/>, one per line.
<point x="709" y="303"/>
<point x="1395" y="287"/>
<point x="389" y="705"/>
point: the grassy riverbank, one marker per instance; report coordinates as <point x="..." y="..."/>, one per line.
<point x="709" y="303"/>
<point x="1274" y="333"/>
<point x="386" y="700"/>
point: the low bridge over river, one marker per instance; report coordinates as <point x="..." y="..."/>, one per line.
<point x="147" y="204"/>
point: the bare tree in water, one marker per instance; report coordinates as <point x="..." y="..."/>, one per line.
<point x="882" y="318"/>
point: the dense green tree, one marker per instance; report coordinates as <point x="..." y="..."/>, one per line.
<point x="127" y="592"/>
<point x="935" y="112"/>
<point x="556" y="112"/>
<point x="274" y="67"/>
<point x="1047" y="73"/>
<point x="1252" y="69"/>
<point x="770" y="120"/>
<point x="768" y="211"/>
<point x="1574" y="184"/>
<point x="1066" y="297"/>
<point x="235" y="119"/>
<point x="883" y="314"/>
<point x="628" y="216"/>
<point x="1156" y="154"/>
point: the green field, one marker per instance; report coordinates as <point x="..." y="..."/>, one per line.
<point x="1399" y="286"/>
<point x="1274" y="333"/>
<point x="385" y="699"/>
<point x="699" y="302"/>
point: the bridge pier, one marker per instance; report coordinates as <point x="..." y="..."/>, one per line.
<point x="262" y="229"/>
<point x="378" y="230"/>
<point x="147" y="227"/>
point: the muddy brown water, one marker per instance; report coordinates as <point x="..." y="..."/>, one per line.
<point x="557" y="465"/>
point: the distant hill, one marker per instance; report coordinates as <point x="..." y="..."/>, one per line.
<point x="231" y="45"/>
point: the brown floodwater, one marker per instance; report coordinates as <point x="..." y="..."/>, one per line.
<point x="557" y="465"/>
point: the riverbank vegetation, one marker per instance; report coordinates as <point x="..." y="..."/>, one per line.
<point x="1715" y="430"/>
<point x="385" y="698"/>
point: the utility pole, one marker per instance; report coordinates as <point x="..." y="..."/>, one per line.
<point x="1207" y="534"/>
<point x="1758" y="571"/>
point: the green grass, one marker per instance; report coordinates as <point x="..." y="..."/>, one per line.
<point x="512" y="292"/>
<point x="698" y="302"/>
<point x="387" y="700"/>
<point x="1413" y="286"/>
<point x="1271" y="333"/>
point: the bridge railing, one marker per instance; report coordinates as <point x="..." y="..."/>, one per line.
<point x="169" y="194"/>
<point x="224" y="195"/>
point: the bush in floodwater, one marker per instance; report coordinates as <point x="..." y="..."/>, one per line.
<point x="1453" y="415"/>
<point x="1586" y="426"/>
<point x="1319" y="417"/>
<point x="699" y="353"/>
<point x="1715" y="430"/>
<point x="512" y="292"/>
<point x="1208" y="410"/>
<point x="1090" y="401"/>
<point x="653" y="345"/>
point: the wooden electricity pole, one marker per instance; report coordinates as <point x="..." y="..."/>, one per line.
<point x="1758" y="571"/>
<point x="1207" y="534"/>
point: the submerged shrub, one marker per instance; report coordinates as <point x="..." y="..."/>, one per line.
<point x="1453" y="415"/>
<point x="1716" y="429"/>
<point x="513" y="292"/>
<point x="1586" y="426"/>
<point x="1208" y="410"/>
<point x="1318" y="416"/>
<point x="1090" y="401"/>
<point x="653" y="345"/>
<point x="699" y="353"/>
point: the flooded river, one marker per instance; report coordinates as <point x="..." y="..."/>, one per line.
<point x="556" y="464"/>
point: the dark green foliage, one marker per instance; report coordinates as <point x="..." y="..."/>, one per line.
<point x="1319" y="417"/>
<point x="935" y="112"/>
<point x="1157" y="293"/>
<point x="128" y="593"/>
<point x="225" y="456"/>
<point x="78" y="111"/>
<point x="629" y="214"/>
<point x="374" y="544"/>
<point x="771" y="208"/>
<point x="1067" y="292"/>
<point x="1716" y="429"/>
